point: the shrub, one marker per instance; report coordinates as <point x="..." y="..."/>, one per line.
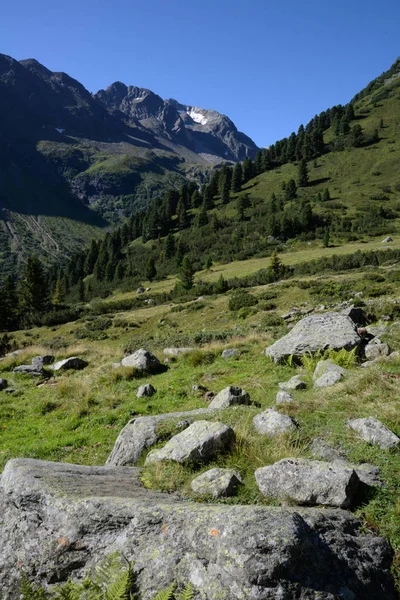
<point x="272" y="319"/>
<point x="199" y="357"/>
<point x="241" y="299"/>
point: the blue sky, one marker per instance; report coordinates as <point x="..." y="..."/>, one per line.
<point x="268" y="65"/>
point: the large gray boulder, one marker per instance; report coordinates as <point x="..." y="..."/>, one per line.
<point x="309" y="482"/>
<point x="374" y="432"/>
<point x="142" y="360"/>
<point x="74" y="362"/>
<point x="272" y="423"/>
<point x="27" y="370"/>
<point x="200" y="442"/>
<point x="316" y="332"/>
<point x="60" y="519"/>
<point x="229" y="396"/>
<point x="38" y="362"/>
<point x="140" y="433"/>
<point x="218" y="483"/>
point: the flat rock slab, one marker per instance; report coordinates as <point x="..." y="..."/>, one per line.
<point x="142" y="359"/>
<point x="200" y="442"/>
<point x="140" y="433"/>
<point x="309" y="482"/>
<point x="28" y="370"/>
<point x="374" y="432"/>
<point x="218" y="483"/>
<point x="74" y="363"/>
<point x="315" y="333"/>
<point x="229" y="396"/>
<point x="145" y="390"/>
<point x="60" y="519"/>
<point x="272" y="423"/>
<point x="294" y="383"/>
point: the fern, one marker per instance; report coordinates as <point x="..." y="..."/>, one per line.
<point x="29" y="591"/>
<point x="69" y="591"/>
<point x="167" y="594"/>
<point x="186" y="594"/>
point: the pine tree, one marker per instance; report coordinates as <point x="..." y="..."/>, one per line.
<point x="81" y="291"/>
<point x="276" y="265"/>
<point x="196" y="199"/>
<point x="202" y="216"/>
<point x="381" y="124"/>
<point x="303" y="173"/>
<point x="186" y="273"/>
<point x="356" y="135"/>
<point x="237" y="178"/>
<point x="326" y="195"/>
<point x="33" y="291"/>
<point x="182" y="215"/>
<point x="8" y="305"/>
<point x="151" y="270"/>
<point x="169" y="246"/>
<point x="290" y="190"/>
<point x="247" y="169"/>
<point x="58" y="298"/>
<point x="326" y="238"/>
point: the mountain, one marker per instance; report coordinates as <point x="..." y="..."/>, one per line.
<point x="72" y="162"/>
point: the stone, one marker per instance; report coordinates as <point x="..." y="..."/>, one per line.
<point x="229" y="396"/>
<point x="145" y="390"/>
<point x="10" y="390"/>
<point x="198" y="388"/>
<point x="295" y="383"/>
<point x="326" y="366"/>
<point x="321" y="449"/>
<point x="230" y="352"/>
<point x="272" y="423"/>
<point x="387" y="240"/>
<point x="140" y="290"/>
<point x="116" y="365"/>
<point x="368" y="474"/>
<point x="218" y="483"/>
<point x="378" y="350"/>
<point x="74" y="362"/>
<point x="309" y="482"/>
<point x="147" y="289"/>
<point x="149" y="301"/>
<point x="318" y="332"/>
<point x="28" y="370"/>
<point x="142" y="360"/>
<point x="140" y="433"/>
<point x="356" y="314"/>
<point x="3" y="384"/>
<point x="283" y="398"/>
<point x="328" y="379"/>
<point x="177" y="351"/>
<point x="38" y="362"/>
<point x="374" y="432"/>
<point x="199" y="443"/>
<point x="60" y="520"/>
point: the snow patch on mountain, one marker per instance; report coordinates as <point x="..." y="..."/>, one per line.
<point x="198" y="117"/>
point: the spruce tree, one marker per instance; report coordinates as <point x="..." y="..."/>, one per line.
<point x="182" y="215"/>
<point x="202" y="216"/>
<point x="290" y="190"/>
<point x="151" y="270"/>
<point x="326" y="195"/>
<point x="81" y="291"/>
<point x="33" y="291"/>
<point x="186" y="273"/>
<point x="247" y="169"/>
<point x="169" y="246"/>
<point x="276" y="265"/>
<point x="326" y="238"/>
<point x="237" y="178"/>
<point x="58" y="298"/>
<point x="303" y="173"/>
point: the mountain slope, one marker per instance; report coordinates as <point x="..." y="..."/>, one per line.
<point x="63" y="152"/>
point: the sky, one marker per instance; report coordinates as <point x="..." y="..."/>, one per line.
<point x="268" y="65"/>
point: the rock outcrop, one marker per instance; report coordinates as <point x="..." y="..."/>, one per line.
<point x="59" y="519"/>
<point x="316" y="332"/>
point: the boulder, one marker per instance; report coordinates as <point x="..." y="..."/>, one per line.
<point x="74" y="362"/>
<point x="28" y="370"/>
<point x="145" y="390"/>
<point x="229" y="396"/>
<point x="318" y="332"/>
<point x="199" y="443"/>
<point x="59" y="520"/>
<point x="218" y="483"/>
<point x="309" y="482"/>
<point x="372" y="351"/>
<point x="272" y="423"/>
<point x="283" y="398"/>
<point x="374" y="432"/>
<point x="295" y="383"/>
<point x="3" y="384"/>
<point x="230" y="352"/>
<point x="326" y="366"/>
<point x="356" y="314"/>
<point x="328" y="379"/>
<point x="321" y="449"/>
<point x="387" y="240"/>
<point x="142" y="360"/>
<point x="38" y="362"/>
<point x="140" y="290"/>
<point x="177" y="351"/>
<point x="141" y="433"/>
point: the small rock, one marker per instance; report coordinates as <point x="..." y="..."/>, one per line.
<point x="387" y="240"/>
<point x="322" y="450"/>
<point x="283" y="398"/>
<point x="149" y="301"/>
<point x="272" y="423"/>
<point x="145" y="390"/>
<point x="230" y="395"/>
<point x="394" y="356"/>
<point x="374" y="432"/>
<point x="376" y="350"/>
<point x="74" y="362"/>
<point x="198" y="388"/>
<point x="200" y="442"/>
<point x="326" y="366"/>
<point x="116" y="365"/>
<point x="177" y="351"/>
<point x="229" y="352"/>
<point x="209" y="396"/>
<point x="10" y="390"/>
<point x="140" y="290"/>
<point x="38" y="362"/>
<point x="328" y="379"/>
<point x="3" y="384"/>
<point x="368" y="474"/>
<point x="309" y="482"/>
<point x="142" y="360"/>
<point x="218" y="483"/>
<point x="147" y="289"/>
<point x="295" y="383"/>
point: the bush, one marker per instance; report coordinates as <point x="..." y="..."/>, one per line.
<point x="272" y="319"/>
<point x="241" y="299"/>
<point x="199" y="357"/>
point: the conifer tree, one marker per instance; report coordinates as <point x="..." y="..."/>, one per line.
<point x="276" y="265"/>
<point x="186" y="273"/>
<point x="247" y="169"/>
<point x="8" y="305"/>
<point x="237" y="178"/>
<point x="326" y="238"/>
<point x="182" y="215"/>
<point x="326" y="195"/>
<point x="303" y="173"/>
<point x="33" y="291"/>
<point x="169" y="246"/>
<point x="151" y="270"/>
<point x="202" y="216"/>
<point x="58" y="298"/>
<point x="81" y="291"/>
<point x="290" y="190"/>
